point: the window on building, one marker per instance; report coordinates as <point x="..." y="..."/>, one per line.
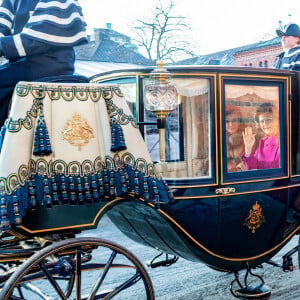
<point x="266" y="64"/>
<point x="214" y="62"/>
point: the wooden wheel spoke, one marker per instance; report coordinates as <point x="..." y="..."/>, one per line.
<point x="101" y="278"/>
<point x="52" y="280"/>
<point x="70" y="285"/>
<point x="78" y="272"/>
<point x="20" y="292"/>
<point x="136" y="277"/>
<point x="65" y="279"/>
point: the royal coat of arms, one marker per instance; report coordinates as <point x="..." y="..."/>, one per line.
<point x="77" y="132"/>
<point x="255" y="218"/>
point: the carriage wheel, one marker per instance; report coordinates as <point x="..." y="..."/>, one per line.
<point x="80" y="268"/>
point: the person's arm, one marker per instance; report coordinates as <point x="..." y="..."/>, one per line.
<point x="249" y="157"/>
<point x="6" y="17"/>
<point x="49" y="28"/>
<point x="250" y="161"/>
<point x="17" y="46"/>
<point x="295" y="63"/>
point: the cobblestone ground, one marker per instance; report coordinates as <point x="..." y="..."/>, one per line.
<point x="195" y="281"/>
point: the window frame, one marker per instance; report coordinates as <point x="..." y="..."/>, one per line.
<point x="260" y="174"/>
<point x="212" y="179"/>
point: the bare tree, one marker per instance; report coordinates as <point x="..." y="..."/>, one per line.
<point x="160" y="35"/>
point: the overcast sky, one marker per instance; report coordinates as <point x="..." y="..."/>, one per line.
<point x="216" y="24"/>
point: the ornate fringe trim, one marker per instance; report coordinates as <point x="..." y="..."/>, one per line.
<point x="80" y="190"/>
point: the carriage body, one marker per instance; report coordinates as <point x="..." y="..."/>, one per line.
<point x="221" y="217"/>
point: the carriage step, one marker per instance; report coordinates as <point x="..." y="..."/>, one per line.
<point x="261" y="292"/>
<point x="162" y="263"/>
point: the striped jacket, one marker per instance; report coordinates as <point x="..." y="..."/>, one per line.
<point x="289" y="60"/>
<point x="34" y="27"/>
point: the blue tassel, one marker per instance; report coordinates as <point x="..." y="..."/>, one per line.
<point x="156" y="197"/>
<point x="23" y="197"/>
<point x="136" y="184"/>
<point x="117" y="138"/>
<point x="81" y="198"/>
<point x="55" y="198"/>
<point x="87" y="191"/>
<point x="72" y="192"/>
<point x="129" y="176"/>
<point x="106" y="181"/>
<point x="80" y="191"/>
<point x="64" y="194"/>
<point x="73" y="198"/>
<point x="146" y="190"/>
<point x="32" y="197"/>
<point x="42" y="144"/>
<point x="101" y="186"/>
<point x="112" y="185"/>
<point x="5" y="224"/>
<point x="47" y="193"/>
<point x="124" y="189"/>
<point x="2" y="135"/>
<point x="169" y="193"/>
<point x="17" y="216"/>
<point x="79" y="185"/>
<point x="95" y="193"/>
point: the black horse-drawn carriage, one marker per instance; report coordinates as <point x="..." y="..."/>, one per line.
<point x="179" y="180"/>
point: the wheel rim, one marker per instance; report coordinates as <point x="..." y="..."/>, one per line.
<point x="80" y="268"/>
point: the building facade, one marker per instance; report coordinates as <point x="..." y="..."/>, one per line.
<point x="262" y="54"/>
<point x="263" y="57"/>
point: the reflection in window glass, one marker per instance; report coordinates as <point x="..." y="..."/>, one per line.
<point x="187" y="132"/>
<point x="129" y="92"/>
<point x="128" y="88"/>
<point x="252" y="127"/>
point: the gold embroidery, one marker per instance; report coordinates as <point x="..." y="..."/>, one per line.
<point x="255" y="218"/>
<point x="77" y="132"/>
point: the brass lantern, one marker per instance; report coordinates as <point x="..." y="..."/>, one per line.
<point x="160" y="98"/>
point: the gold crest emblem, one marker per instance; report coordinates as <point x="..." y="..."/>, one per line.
<point x="77" y="132"/>
<point x="255" y="218"/>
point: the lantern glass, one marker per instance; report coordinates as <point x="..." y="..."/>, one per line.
<point x="160" y="96"/>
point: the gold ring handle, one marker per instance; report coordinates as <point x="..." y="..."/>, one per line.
<point x="225" y="191"/>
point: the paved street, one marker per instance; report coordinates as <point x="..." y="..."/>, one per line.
<point x="195" y="281"/>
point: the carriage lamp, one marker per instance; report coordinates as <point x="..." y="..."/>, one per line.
<point x="160" y="98"/>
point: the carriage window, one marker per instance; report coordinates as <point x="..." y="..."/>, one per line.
<point x="252" y="123"/>
<point x="187" y="136"/>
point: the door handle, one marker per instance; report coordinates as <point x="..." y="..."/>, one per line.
<point x="225" y="191"/>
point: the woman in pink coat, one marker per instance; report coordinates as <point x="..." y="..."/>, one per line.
<point x="266" y="155"/>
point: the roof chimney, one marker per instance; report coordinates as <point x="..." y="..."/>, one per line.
<point x="108" y="25"/>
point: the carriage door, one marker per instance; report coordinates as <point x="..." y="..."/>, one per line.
<point x="254" y="152"/>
